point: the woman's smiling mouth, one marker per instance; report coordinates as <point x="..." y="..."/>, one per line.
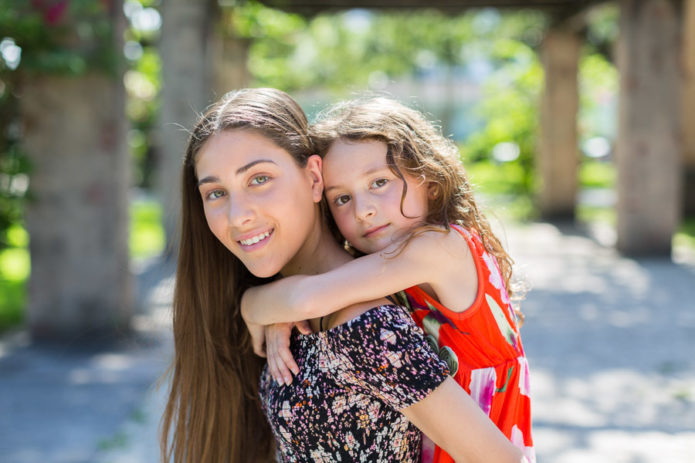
<point x="256" y="241"/>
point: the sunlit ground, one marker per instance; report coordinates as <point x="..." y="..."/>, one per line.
<point x="609" y="342"/>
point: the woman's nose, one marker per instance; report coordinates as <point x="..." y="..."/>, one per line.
<point x="240" y="212"/>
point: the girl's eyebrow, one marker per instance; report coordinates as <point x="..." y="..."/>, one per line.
<point x="366" y="172"/>
<point x="240" y="170"/>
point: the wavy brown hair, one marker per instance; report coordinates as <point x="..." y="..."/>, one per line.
<point x="416" y="146"/>
<point x="213" y="412"/>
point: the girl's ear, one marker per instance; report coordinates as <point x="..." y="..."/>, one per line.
<point x="432" y="190"/>
<point x="313" y="170"/>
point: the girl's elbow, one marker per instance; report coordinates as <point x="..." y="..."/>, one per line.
<point x="515" y="455"/>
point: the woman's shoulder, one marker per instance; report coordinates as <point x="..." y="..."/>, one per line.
<point x="367" y="314"/>
<point x="384" y="353"/>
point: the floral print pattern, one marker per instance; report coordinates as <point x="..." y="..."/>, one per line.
<point x="354" y="378"/>
<point x="490" y="361"/>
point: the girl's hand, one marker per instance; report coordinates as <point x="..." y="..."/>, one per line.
<point x="257" y="333"/>
<point x="281" y="363"/>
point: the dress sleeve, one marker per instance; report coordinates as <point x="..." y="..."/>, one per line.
<point x="384" y="354"/>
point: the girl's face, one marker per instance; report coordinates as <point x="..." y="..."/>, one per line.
<point x="364" y="195"/>
<point x="258" y="202"/>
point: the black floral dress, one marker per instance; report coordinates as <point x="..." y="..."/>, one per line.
<point x="354" y="378"/>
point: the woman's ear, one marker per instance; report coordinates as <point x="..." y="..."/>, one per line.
<point x="313" y="169"/>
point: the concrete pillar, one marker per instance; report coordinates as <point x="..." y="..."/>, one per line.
<point x="688" y="100"/>
<point x="649" y="153"/>
<point x="187" y="27"/>
<point x="558" y="156"/>
<point x="74" y="135"/>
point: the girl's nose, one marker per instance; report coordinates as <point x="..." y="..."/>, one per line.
<point x="364" y="209"/>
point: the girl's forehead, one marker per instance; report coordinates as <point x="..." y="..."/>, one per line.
<point x="358" y="152"/>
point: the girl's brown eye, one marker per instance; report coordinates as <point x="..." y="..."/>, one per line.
<point x="378" y="183"/>
<point x="342" y="199"/>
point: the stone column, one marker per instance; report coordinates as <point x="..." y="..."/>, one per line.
<point x="558" y="156"/>
<point x="187" y="27"/>
<point x="688" y="101"/>
<point x="649" y="153"/>
<point x="74" y="134"/>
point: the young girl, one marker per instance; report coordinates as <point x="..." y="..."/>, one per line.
<point x="398" y="193"/>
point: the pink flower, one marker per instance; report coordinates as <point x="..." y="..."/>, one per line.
<point x="483" y="387"/>
<point x="52" y="11"/>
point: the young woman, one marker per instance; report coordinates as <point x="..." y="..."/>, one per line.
<point x="251" y="193"/>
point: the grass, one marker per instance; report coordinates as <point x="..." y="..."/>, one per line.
<point x="685" y="236"/>
<point x="14" y="271"/>
<point x="146" y="240"/>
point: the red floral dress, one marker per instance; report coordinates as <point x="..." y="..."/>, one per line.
<point x="483" y="349"/>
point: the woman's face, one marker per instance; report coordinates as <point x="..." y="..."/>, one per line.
<point x="258" y="202"/>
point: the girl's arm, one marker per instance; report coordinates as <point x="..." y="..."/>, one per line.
<point x="302" y="297"/>
<point x="451" y="418"/>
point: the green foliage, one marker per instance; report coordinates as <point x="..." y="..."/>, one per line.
<point x="61" y="38"/>
<point x="686" y="234"/>
<point x="142" y="82"/>
<point x="146" y="230"/>
<point x="598" y="89"/>
<point x="12" y="301"/>
<point x="509" y="109"/>
<point x="361" y="48"/>
<point x="14" y="271"/>
<point x="597" y="174"/>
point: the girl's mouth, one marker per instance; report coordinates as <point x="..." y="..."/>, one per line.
<point x="372" y="231"/>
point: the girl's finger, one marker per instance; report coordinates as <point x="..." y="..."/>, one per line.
<point x="280" y="344"/>
<point x="304" y="327"/>
<point x="274" y="371"/>
<point x="286" y="356"/>
<point x="258" y="347"/>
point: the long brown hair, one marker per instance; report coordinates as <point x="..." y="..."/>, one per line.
<point x="213" y="412"/>
<point x="418" y="147"/>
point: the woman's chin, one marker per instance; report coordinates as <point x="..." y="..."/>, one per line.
<point x="263" y="271"/>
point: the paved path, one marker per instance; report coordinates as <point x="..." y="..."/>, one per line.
<point x="610" y="342"/>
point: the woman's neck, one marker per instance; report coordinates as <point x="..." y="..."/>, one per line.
<point x="319" y="254"/>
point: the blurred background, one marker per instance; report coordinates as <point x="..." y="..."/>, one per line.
<point x="575" y="121"/>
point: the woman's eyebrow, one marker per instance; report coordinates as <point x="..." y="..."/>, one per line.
<point x="240" y="170"/>
<point x="243" y="169"/>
